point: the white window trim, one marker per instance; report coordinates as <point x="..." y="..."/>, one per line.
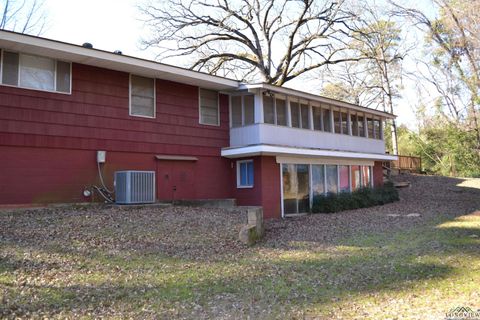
<point x="200" y="109"/>
<point x="34" y="89"/>
<point x="239" y="186"/>
<point x="130" y="97"/>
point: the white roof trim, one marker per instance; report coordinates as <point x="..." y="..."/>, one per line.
<point x="104" y="59"/>
<point x="314" y="97"/>
<point x="268" y="150"/>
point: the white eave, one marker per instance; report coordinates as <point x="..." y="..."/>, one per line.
<point x="314" y="97"/>
<point x="270" y="150"/>
<point x="73" y="53"/>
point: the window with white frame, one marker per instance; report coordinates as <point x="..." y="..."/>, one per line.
<point x="245" y="174"/>
<point x="209" y="108"/>
<point x="34" y="72"/>
<point x="142" y="96"/>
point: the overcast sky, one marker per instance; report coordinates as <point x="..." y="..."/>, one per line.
<point x="115" y="25"/>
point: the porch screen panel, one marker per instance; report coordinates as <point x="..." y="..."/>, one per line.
<point x="268" y="110"/>
<point x="355" y="172"/>
<point x="295" y="114"/>
<point x="236" y="111"/>
<point x="344" y="116"/>
<point x="344" y="178"/>
<point x="370" y="128"/>
<point x="336" y="121"/>
<point x="281" y="112"/>
<point x="376" y="128"/>
<point x="317" y="118"/>
<point x="305" y="116"/>
<point x="354" y="125"/>
<point x="361" y="127"/>
<point x="327" y="124"/>
<point x="318" y="179"/>
<point x="249" y="109"/>
<point x="332" y="178"/>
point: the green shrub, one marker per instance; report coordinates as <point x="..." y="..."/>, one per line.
<point x="361" y="198"/>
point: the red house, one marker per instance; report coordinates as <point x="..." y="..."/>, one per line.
<point x="205" y="137"/>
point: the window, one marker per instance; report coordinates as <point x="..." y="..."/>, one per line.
<point x="245" y="174"/>
<point x="344" y="116"/>
<point x="209" y="110"/>
<point x="356" y="178"/>
<point x="281" y="108"/>
<point x="327" y="123"/>
<point x="268" y="110"/>
<point x="142" y="96"/>
<point x="305" y="116"/>
<point x="236" y="107"/>
<point x="318" y="179"/>
<point x="344" y="178"/>
<point x="317" y="118"/>
<point x="355" y="125"/>
<point x="370" y="128"/>
<point x="377" y="128"/>
<point x="35" y="72"/>
<point x="337" y="121"/>
<point x="242" y="108"/>
<point x="249" y="109"/>
<point x="332" y="178"/>
<point x="295" y="114"/>
<point x="361" y="127"/>
<point x="366" y="176"/>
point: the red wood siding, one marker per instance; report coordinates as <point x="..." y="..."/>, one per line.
<point x="266" y="190"/>
<point x="48" y="140"/>
<point x="378" y="174"/>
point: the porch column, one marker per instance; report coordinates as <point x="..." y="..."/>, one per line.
<point x="258" y="102"/>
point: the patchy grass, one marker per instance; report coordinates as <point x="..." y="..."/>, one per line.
<point x="186" y="263"/>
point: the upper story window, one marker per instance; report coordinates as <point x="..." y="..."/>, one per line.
<point x="35" y="72"/>
<point x="245" y="174"/>
<point x="142" y="96"/>
<point x="243" y="110"/>
<point x="274" y="110"/>
<point x="317" y="118"/>
<point x="304" y="116"/>
<point x="209" y="107"/>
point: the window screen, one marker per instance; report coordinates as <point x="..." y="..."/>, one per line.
<point x="236" y="111"/>
<point x="63" y="76"/>
<point x="142" y="96"/>
<point x="327" y="123"/>
<point x="249" y="110"/>
<point x="344" y="123"/>
<point x="281" y="112"/>
<point x="336" y="120"/>
<point x="268" y="110"/>
<point x="317" y="118"/>
<point x="209" y="107"/>
<point x="295" y="114"/>
<point x="305" y="116"/>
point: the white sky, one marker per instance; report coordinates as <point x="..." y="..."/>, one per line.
<point x="115" y="25"/>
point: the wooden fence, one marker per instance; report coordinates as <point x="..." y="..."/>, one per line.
<point x="408" y="163"/>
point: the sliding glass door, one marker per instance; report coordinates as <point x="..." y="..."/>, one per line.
<point x="296" y="188"/>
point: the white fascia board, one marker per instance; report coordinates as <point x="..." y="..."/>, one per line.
<point x="279" y="151"/>
<point x="74" y="53"/>
<point x="317" y="98"/>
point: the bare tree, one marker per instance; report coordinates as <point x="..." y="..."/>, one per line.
<point x="453" y="43"/>
<point x="24" y="16"/>
<point x="275" y="41"/>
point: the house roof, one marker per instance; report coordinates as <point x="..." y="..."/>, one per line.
<point x="75" y="53"/>
<point x="316" y="98"/>
<point x="105" y="59"/>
